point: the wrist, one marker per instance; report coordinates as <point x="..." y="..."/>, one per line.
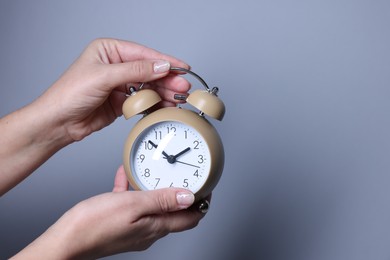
<point x="54" y="243"/>
<point x="29" y="136"/>
<point x="47" y="128"/>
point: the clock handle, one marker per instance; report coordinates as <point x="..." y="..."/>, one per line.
<point x="193" y="74"/>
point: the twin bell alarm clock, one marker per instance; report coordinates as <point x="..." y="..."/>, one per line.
<point x="174" y="146"/>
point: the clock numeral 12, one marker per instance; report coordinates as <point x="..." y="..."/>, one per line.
<point x="172" y="128"/>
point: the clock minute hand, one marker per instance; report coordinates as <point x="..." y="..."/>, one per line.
<point x="155" y="146"/>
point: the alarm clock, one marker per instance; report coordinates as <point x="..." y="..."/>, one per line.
<point x="174" y="146"/>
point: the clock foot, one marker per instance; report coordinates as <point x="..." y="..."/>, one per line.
<point x="204" y="206"/>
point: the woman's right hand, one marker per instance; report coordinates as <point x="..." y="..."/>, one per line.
<point x="116" y="222"/>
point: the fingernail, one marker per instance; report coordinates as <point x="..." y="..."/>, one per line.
<point x="185" y="199"/>
<point x="161" y="66"/>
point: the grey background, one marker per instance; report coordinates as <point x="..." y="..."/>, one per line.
<point x="307" y="130"/>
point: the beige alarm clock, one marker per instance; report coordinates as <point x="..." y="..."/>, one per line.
<point x="174" y="146"/>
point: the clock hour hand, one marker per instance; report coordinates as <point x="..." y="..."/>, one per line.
<point x="182" y="152"/>
<point x="172" y="158"/>
<point x="155" y="146"/>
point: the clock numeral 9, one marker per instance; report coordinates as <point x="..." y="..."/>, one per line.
<point x="142" y="157"/>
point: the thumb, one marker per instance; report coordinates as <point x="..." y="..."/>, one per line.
<point x="135" y="71"/>
<point x="165" y="200"/>
<point x="120" y="181"/>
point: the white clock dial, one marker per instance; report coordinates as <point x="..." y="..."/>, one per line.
<point x="170" y="154"/>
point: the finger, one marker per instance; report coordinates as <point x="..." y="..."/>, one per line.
<point x="181" y="220"/>
<point x="163" y="200"/>
<point x="169" y="95"/>
<point x="129" y="51"/>
<point x="134" y="71"/>
<point x="178" y="221"/>
<point x="116" y="99"/>
<point x="120" y="182"/>
<point x="163" y="104"/>
<point x="174" y="83"/>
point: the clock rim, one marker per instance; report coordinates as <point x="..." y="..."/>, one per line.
<point x="187" y="117"/>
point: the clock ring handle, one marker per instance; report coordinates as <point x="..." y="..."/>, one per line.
<point x="193" y="74"/>
<point x="185" y="71"/>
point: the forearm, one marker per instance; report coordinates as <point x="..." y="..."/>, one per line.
<point x="54" y="243"/>
<point x="28" y="138"/>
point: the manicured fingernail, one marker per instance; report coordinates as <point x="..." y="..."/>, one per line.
<point x="185" y="199"/>
<point x="161" y="66"/>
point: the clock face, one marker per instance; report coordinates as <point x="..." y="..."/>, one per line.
<point x="170" y="154"/>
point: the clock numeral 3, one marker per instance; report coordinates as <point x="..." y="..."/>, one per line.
<point x="201" y="159"/>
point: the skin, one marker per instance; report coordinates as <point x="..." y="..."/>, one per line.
<point x="114" y="222"/>
<point x="85" y="99"/>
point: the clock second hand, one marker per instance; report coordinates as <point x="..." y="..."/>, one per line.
<point x="187" y="164"/>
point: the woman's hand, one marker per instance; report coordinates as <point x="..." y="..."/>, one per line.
<point x="89" y="96"/>
<point x="116" y="222"/>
